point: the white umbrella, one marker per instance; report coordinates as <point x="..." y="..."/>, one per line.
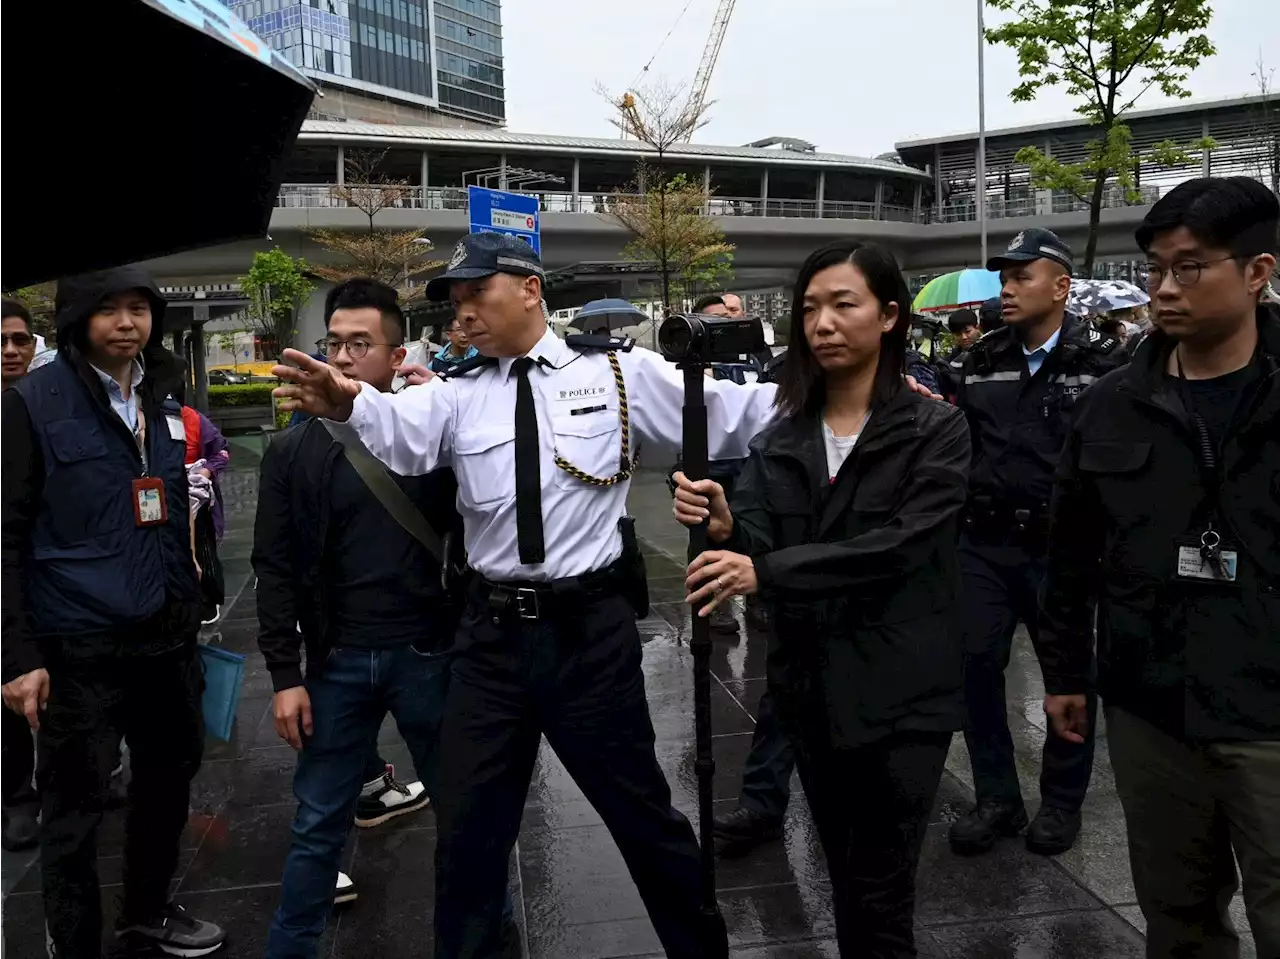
<point x="1095" y="297"/>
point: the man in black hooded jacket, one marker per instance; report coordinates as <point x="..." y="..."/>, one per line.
<point x="101" y="608"/>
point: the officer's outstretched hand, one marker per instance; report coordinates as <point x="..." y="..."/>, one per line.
<point x="1068" y="716"/>
<point x="313" y="387"/>
<point x="916" y="386"/>
<point x="415" y="374"/>
<point x="28" y="695"/>
<point x="700" y="501"/>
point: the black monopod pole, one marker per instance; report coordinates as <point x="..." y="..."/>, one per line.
<point x="694" y="461"/>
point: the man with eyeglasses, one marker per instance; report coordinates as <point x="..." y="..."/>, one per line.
<point x="19" y="343"/>
<point x="341" y="576"/>
<point x="456" y="351"/>
<point x="1167" y="515"/>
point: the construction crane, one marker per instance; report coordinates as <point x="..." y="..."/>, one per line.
<point x="697" y="101"/>
<point x="710" y="53"/>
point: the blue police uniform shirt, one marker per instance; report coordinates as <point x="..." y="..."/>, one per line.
<point x="1036" y="358"/>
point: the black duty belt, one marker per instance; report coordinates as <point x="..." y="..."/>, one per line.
<point x="530" y="600"/>
<point x="987" y="515"/>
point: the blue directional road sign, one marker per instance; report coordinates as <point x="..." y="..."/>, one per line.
<point x="497" y="211"/>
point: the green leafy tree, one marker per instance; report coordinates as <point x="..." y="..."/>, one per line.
<point x="1107" y="54"/>
<point x="398" y="258"/>
<point x="665" y="215"/>
<point x="38" y="300"/>
<point x="671" y="230"/>
<point x="277" y="285"/>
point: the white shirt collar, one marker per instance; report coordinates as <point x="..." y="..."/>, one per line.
<point x="1046" y="347"/>
<point x="549" y="347"/>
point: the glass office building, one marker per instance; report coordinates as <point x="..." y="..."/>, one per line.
<point x="391" y="51"/>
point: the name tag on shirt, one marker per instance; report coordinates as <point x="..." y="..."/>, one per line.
<point x="582" y="394"/>
<point x="176" y="430"/>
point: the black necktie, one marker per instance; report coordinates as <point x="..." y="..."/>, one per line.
<point x="528" y="478"/>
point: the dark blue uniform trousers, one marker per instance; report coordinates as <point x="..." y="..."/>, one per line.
<point x="766" y="775"/>
<point x="575" y="677"/>
<point x="1002" y="578"/>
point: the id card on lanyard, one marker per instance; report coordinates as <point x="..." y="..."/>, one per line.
<point x="1202" y="556"/>
<point x="150" y="508"/>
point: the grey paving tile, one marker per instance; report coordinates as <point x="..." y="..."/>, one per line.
<point x="1007" y="882"/>
<point x="1091" y="934"/>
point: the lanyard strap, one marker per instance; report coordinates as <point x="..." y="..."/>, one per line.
<point x="1206" y="455"/>
<point x="140" y="437"/>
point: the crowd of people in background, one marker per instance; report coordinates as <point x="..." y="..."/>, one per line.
<point x="455" y="554"/>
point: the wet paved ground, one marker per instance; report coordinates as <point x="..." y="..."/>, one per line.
<point x="576" y="900"/>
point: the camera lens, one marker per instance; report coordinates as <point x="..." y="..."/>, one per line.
<point x="676" y="337"/>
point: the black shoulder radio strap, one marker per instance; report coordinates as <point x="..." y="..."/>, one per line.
<point x="386" y="491"/>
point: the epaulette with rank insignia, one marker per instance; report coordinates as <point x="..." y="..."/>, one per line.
<point x="600" y="342"/>
<point x="463" y="367"/>
<point x="1100" y="341"/>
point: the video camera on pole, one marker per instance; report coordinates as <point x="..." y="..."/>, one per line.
<point x="694" y="342"/>
<point x="707" y="340"/>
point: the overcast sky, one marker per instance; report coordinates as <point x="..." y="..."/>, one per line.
<point x="852" y="76"/>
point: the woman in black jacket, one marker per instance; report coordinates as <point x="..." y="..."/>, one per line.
<point x="844" y="521"/>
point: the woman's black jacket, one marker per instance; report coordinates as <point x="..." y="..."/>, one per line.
<point x="860" y="575"/>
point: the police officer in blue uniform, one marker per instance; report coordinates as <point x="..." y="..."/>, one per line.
<point x="102" y="607"/>
<point x="541" y="437"/>
<point x="1018" y="385"/>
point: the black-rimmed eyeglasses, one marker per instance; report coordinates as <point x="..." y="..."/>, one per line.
<point x="1185" y="272"/>
<point x="356" y="348"/>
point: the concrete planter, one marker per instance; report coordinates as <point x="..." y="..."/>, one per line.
<point x="242" y="419"/>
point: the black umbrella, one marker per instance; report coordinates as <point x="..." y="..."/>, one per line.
<point x="141" y="128"/>
<point x="605" y="316"/>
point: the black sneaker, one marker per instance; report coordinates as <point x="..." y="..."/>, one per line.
<point x="977" y="832"/>
<point x="21" y="828"/>
<point x="173" y="931"/>
<point x="739" y="831"/>
<point x="385" y="798"/>
<point x="345" y="890"/>
<point x="1053" y="831"/>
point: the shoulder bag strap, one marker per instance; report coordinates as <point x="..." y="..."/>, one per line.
<point x="386" y="491"/>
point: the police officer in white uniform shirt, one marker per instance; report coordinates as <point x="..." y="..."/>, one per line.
<point x="541" y="438"/>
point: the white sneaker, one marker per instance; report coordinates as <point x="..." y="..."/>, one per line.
<point x="385" y="798"/>
<point x="345" y="891"/>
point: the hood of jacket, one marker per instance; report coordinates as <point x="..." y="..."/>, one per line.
<point x="78" y="296"/>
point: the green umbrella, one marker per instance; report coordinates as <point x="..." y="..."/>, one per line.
<point x="954" y="290"/>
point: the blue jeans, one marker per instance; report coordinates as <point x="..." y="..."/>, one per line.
<point x="349" y="700"/>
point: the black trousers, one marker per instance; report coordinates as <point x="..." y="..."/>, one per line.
<point x="1001" y="584"/>
<point x="19" y="752"/>
<point x="766" y="774"/>
<point x="576" y="678"/>
<point x="154" y="702"/>
<point x="871" y="807"/>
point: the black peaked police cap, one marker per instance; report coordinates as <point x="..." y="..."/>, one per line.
<point x="1033" y="244"/>
<point x="478" y="255"/>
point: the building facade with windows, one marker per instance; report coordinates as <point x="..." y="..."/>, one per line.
<point x="413" y="62"/>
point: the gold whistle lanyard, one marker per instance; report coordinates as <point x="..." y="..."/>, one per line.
<point x="626" y="465"/>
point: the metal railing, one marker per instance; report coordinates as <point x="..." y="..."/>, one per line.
<point x="999" y="208"/>
<point x="321" y="196"/>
